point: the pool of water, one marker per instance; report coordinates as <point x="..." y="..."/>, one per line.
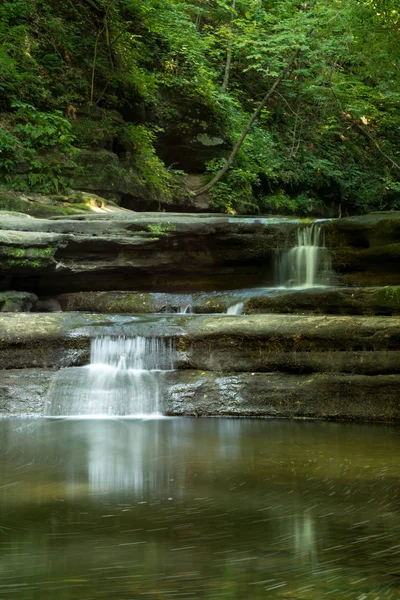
<point x="198" y="509"/>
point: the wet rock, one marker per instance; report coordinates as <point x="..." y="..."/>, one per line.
<point x="47" y="305"/>
<point x="24" y="391"/>
<point x="56" y="340"/>
<point x="16" y="301"/>
<point x="123" y="302"/>
<point x="145" y="302"/>
<point x="202" y="393"/>
<point x="321" y="396"/>
<point x="345" y="301"/>
<point x="295" y="344"/>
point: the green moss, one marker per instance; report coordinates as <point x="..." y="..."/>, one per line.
<point x="181" y="345"/>
<point x="8" y="304"/>
<point x="161" y="228"/>
<point x="390" y="297"/>
<point x="14" y="256"/>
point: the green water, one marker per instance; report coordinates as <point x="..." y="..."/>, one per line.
<point x="198" y="509"/>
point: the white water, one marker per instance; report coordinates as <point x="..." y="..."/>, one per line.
<point x="236" y="309"/>
<point x="124" y="378"/>
<point x="306" y="265"/>
<point x="183" y="310"/>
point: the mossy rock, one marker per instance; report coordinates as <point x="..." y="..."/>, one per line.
<point x="47" y="206"/>
<point x="21" y="205"/>
<point x="17" y="301"/>
<point x="32" y="258"/>
<point x="102" y="173"/>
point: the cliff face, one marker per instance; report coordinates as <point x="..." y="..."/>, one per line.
<point x="308" y="352"/>
<point x="176" y="252"/>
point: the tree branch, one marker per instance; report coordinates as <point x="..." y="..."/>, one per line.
<point x="250" y="122"/>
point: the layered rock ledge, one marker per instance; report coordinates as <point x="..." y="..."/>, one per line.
<point x="329" y="300"/>
<point x="182" y="253"/>
<point x="261" y="365"/>
<point x="205" y="393"/>
<point x="138" y="251"/>
<point x="291" y="343"/>
<point x="366" y="249"/>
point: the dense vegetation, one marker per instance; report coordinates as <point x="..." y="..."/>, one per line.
<point x="169" y="85"/>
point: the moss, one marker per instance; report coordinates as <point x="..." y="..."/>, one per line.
<point x="35" y="209"/>
<point x="14" y="256"/>
<point x="389" y="297"/>
<point x="181" y="345"/>
<point x="7" y="304"/>
<point x="161" y="228"/>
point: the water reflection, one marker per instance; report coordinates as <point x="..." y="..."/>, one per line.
<point x="181" y="508"/>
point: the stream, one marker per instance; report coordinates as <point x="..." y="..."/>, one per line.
<point x="198" y="509"/>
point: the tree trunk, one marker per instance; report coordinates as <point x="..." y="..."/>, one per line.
<point x="246" y="130"/>
<point x="229" y="52"/>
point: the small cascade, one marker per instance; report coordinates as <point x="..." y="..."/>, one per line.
<point x="124" y="378"/>
<point x="183" y="310"/>
<point x="236" y="309"/>
<point x="306" y="265"/>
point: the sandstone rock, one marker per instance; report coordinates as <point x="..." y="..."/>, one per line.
<point x="144" y="302"/>
<point x="294" y="344"/>
<point x="102" y="173"/>
<point x="47" y="206"/>
<point x="24" y="391"/>
<point x="280" y="395"/>
<point x="194" y="393"/>
<point x="366" y="250"/>
<point x="138" y="252"/>
<point x="47" y="305"/>
<point x="350" y="301"/>
<point x="16" y="301"/>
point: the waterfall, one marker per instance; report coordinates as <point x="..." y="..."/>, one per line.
<point x="236" y="309"/>
<point x="183" y="310"/>
<point x="307" y="264"/>
<point x="125" y="377"/>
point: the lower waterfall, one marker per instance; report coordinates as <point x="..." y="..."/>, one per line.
<point x="124" y="378"/>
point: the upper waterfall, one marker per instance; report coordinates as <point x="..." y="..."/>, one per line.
<point x="236" y="309"/>
<point x="307" y="264"/>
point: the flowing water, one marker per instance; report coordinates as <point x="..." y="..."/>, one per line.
<point x="198" y="509"/>
<point x="183" y="310"/>
<point x="308" y="264"/>
<point x="236" y="309"/>
<point x="125" y="377"/>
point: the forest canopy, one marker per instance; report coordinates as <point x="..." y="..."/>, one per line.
<point x="169" y="86"/>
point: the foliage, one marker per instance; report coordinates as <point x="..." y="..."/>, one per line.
<point x="144" y="79"/>
<point x="33" y="132"/>
<point x="160" y="181"/>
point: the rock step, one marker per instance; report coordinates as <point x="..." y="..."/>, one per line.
<point x="352" y="301"/>
<point x="339" y="300"/>
<point x="194" y="393"/>
<point x="292" y="343"/>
